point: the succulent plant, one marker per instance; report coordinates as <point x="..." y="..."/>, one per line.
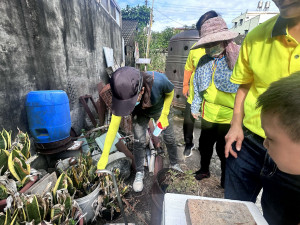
<point x="22" y="143"/>
<point x="56" y="207"/>
<point x="3" y="161"/>
<point x="5" y="139"/>
<point x="14" y="160"/>
<point x="18" y="167"/>
<point x="83" y="175"/>
<point x="108" y="196"/>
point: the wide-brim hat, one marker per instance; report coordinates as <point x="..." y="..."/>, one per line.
<point x="214" y="30"/>
<point x="126" y="84"/>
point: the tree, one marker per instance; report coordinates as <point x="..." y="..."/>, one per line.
<point x="138" y="13"/>
<point x="159" y="47"/>
<point x="160" y="40"/>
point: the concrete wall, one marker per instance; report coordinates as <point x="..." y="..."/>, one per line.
<point x="52" y="44"/>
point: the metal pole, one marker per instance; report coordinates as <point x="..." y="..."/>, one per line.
<point x="117" y="191"/>
<point x="149" y="33"/>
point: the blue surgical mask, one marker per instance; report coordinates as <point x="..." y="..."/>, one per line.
<point x="137" y="103"/>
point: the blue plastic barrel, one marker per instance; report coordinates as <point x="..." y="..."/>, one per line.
<point x="48" y="114"/>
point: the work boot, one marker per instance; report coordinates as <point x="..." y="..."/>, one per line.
<point x="188" y="150"/>
<point x="138" y="184"/>
<point x="201" y="175"/>
<point x="176" y="167"/>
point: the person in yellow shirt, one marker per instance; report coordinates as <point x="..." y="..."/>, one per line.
<point x="146" y="95"/>
<point x="269" y="52"/>
<point x="214" y="93"/>
<point x="188" y="87"/>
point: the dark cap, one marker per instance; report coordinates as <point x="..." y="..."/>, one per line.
<point x="126" y="84"/>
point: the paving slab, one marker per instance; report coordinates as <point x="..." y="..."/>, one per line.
<point x="205" y="212"/>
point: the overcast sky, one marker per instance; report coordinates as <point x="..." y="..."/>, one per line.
<point x="177" y="13"/>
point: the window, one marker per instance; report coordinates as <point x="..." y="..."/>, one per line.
<point x="235" y="24"/>
<point x="246" y="32"/>
<point x="105" y="4"/>
<point x="241" y="21"/>
<point x="118" y="15"/>
<point x="112" y="9"/>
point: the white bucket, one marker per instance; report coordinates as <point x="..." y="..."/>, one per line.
<point x="86" y="203"/>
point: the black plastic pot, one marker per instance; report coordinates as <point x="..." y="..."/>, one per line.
<point x="106" y="214"/>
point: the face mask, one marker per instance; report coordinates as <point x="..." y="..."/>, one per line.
<point x="137" y="103"/>
<point x="215" y="51"/>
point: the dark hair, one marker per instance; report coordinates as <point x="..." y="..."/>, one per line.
<point x="147" y="84"/>
<point x="282" y="99"/>
<point x="206" y="16"/>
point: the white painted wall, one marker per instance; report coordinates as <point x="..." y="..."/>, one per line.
<point x="250" y="20"/>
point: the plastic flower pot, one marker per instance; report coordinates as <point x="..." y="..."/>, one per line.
<point x="106" y="214"/>
<point x="85" y="203"/>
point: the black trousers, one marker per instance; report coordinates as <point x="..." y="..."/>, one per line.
<point x="212" y="133"/>
<point x="188" y="125"/>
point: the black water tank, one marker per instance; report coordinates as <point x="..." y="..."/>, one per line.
<point x="178" y="51"/>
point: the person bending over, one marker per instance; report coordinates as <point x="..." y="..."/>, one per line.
<point x="145" y="95"/>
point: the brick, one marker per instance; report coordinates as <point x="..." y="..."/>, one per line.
<point x="208" y="212"/>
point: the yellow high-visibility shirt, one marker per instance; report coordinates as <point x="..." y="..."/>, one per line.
<point x="268" y="53"/>
<point x="191" y="65"/>
<point x="217" y="106"/>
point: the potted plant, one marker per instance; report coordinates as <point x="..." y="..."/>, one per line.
<point x="82" y="175"/>
<point x="107" y="204"/>
<point x="54" y="207"/>
<point x="15" y="172"/>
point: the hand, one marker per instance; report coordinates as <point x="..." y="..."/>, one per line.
<point x="235" y="133"/>
<point x="196" y="115"/>
<point x="186" y="91"/>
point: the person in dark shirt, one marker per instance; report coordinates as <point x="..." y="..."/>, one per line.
<point x="145" y="95"/>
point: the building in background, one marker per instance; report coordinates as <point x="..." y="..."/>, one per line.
<point x="129" y="32"/>
<point x="250" y="19"/>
